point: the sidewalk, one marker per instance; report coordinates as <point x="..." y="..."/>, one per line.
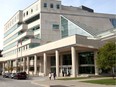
<point x="67" y="83"/>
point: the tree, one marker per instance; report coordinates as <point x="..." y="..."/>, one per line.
<point x="106" y="58"/>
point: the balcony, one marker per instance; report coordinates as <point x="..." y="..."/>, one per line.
<point x="28" y="33"/>
<point x="35" y="23"/>
<point x="37" y="32"/>
<point x="22" y="27"/>
<point x="28" y="41"/>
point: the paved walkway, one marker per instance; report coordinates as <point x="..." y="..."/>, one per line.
<point x="68" y="83"/>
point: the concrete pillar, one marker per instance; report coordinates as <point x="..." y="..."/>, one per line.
<point x="57" y="62"/>
<point x="20" y="61"/>
<point x="24" y="64"/>
<point x="40" y="65"/>
<point x="61" y="59"/>
<point x="16" y="61"/>
<point x="3" y="68"/>
<point x="9" y="65"/>
<point x="95" y="64"/>
<point x="45" y="63"/>
<point x="35" y="64"/>
<point x="73" y="54"/>
<point x="77" y="64"/>
<point x="27" y="65"/>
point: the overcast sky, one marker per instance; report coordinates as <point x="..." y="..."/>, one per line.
<point x="9" y="7"/>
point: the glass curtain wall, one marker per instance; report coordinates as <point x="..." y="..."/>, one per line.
<point x="53" y="63"/>
<point x="86" y="63"/>
<point x="68" y="28"/>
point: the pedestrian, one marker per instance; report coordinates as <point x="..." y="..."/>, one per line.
<point x="63" y="73"/>
<point x="50" y="75"/>
<point x="54" y="75"/>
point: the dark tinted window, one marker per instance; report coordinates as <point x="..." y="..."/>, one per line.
<point x="33" y="19"/>
<point x="58" y="6"/>
<point x="45" y="5"/>
<point x="51" y="6"/>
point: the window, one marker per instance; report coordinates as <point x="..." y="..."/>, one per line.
<point x="32" y="19"/>
<point x="113" y="21"/>
<point x="45" y="5"/>
<point x="27" y="13"/>
<point x="58" y="6"/>
<point x="55" y="26"/>
<point x="67" y="59"/>
<point x="31" y="10"/>
<point x="68" y="28"/>
<point x="86" y="58"/>
<point x="53" y="61"/>
<point x="35" y="28"/>
<point x="51" y="6"/>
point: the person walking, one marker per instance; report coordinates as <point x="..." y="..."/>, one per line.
<point x="50" y="75"/>
<point x="54" y="75"/>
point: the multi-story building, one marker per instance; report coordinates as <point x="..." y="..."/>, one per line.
<point x="49" y="37"/>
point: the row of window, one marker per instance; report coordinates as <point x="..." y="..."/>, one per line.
<point x="11" y="30"/>
<point x="15" y="51"/>
<point x="51" y="6"/>
<point x="15" y="18"/>
<point x="30" y="20"/>
<point x="12" y="21"/>
<point x="84" y="58"/>
<point x="31" y="45"/>
<point x="10" y="46"/>
<point x="11" y="38"/>
<point x="30" y="11"/>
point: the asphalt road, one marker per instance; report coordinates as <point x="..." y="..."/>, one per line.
<point x="6" y="82"/>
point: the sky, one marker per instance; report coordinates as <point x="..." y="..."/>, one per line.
<point x="9" y="7"/>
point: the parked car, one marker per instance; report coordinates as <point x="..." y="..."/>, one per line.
<point x="12" y="75"/>
<point x="6" y="75"/>
<point x="20" y="75"/>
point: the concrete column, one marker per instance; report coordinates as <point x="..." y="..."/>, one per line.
<point x="40" y="65"/>
<point x="61" y="65"/>
<point x="20" y="61"/>
<point x="3" y="68"/>
<point x="35" y="64"/>
<point x="16" y="61"/>
<point x="73" y="53"/>
<point x="45" y="63"/>
<point x="95" y="64"/>
<point x="57" y="62"/>
<point x="77" y="64"/>
<point x="9" y="65"/>
<point x="23" y="64"/>
<point x="27" y="65"/>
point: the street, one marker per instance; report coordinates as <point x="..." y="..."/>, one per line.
<point x="7" y="82"/>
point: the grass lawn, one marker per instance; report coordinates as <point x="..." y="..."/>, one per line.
<point x="73" y="78"/>
<point x="102" y="81"/>
<point x="69" y="78"/>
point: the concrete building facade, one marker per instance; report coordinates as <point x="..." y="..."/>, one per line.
<point x="49" y="37"/>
